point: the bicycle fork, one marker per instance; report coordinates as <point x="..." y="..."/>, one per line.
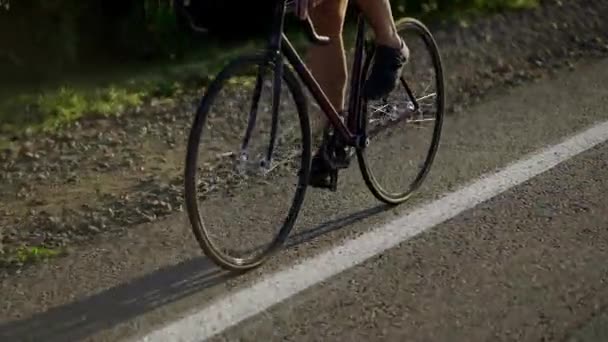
<point x="264" y="165"/>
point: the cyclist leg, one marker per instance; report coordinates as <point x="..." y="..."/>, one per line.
<point x="391" y="51"/>
<point x="328" y="65"/>
<point x="328" y="62"/>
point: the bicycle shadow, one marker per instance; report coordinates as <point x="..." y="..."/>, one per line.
<point x="83" y="318"/>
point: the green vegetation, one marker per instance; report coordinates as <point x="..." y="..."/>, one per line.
<point x="429" y="9"/>
<point x="53" y="108"/>
<point x="27" y="255"/>
<point x="161" y="62"/>
<point x="55" y="104"/>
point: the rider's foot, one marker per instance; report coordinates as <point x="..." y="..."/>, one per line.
<point x="386" y="70"/>
<point x="320" y="172"/>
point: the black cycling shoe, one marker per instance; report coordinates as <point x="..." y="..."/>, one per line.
<point x="386" y="71"/>
<point x="320" y="173"/>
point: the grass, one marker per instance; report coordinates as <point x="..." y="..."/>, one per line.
<point x="28" y="255"/>
<point x="53" y="105"/>
<point x="110" y="92"/>
<point x="53" y="108"/>
<point x="437" y="9"/>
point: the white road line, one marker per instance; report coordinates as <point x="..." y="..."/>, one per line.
<point x="247" y="302"/>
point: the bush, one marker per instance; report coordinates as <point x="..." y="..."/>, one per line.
<point x="46" y="37"/>
<point x="452" y="8"/>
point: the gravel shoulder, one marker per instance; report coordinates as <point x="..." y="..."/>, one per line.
<point x="102" y="176"/>
<point x="125" y="285"/>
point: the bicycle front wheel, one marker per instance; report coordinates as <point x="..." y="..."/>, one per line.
<point x="248" y="162"/>
<point x="405" y="127"/>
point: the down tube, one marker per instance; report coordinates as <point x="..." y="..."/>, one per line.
<point x="313" y="86"/>
<point x="354" y="104"/>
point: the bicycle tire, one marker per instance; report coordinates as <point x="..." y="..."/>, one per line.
<point x="194" y="142"/>
<point x="370" y="180"/>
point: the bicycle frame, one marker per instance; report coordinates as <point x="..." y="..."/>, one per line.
<point x="349" y="131"/>
<point x="278" y="44"/>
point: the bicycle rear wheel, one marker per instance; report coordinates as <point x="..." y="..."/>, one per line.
<point x="241" y="154"/>
<point x="405" y="127"/>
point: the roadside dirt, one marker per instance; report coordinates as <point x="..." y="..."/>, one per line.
<point x="103" y="175"/>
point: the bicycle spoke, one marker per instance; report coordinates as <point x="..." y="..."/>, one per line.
<point x="411" y="117"/>
<point x="239" y="155"/>
<point x="425" y="97"/>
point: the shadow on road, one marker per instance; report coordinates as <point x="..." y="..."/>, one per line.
<point x="80" y="319"/>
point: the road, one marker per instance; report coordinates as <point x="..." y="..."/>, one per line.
<point x="527" y="264"/>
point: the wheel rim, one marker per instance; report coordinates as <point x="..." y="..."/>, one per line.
<point x="220" y="207"/>
<point x="395" y="170"/>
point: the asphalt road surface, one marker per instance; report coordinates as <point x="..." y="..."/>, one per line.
<point x="519" y="255"/>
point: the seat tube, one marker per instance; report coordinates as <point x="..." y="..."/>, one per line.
<point x="355" y="104"/>
<point x="274" y="43"/>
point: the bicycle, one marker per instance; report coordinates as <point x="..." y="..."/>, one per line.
<point x="352" y="134"/>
